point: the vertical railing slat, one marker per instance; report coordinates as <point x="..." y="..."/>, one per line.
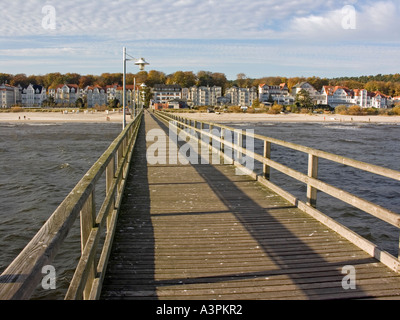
<point x="267" y="155"/>
<point x="313" y="173"/>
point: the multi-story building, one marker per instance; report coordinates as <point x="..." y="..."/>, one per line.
<point x="202" y="96"/>
<point x="337" y="95"/>
<point x="380" y="100"/>
<point x="95" y="95"/>
<point x="163" y="93"/>
<point x="307" y="87"/>
<point x="242" y="96"/>
<point x="33" y="96"/>
<point x="9" y="96"/>
<point x="279" y="94"/>
<point x="65" y="94"/>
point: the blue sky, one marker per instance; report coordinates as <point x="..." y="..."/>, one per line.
<point x="259" y="38"/>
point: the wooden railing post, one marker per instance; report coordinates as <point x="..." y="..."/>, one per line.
<point x="313" y="173"/>
<point x="88" y="219"/>
<point x="110" y="175"/>
<point x="222" y="146"/>
<point x="267" y="155"/>
<point x="239" y="155"/>
<point x="211" y="139"/>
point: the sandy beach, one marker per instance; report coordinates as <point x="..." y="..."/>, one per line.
<point x="292" y="117"/>
<point x="116" y="117"/>
<point x="45" y="117"/>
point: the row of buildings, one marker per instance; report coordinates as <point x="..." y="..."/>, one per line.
<point x="173" y="96"/>
<point x="34" y="96"/>
<point x="339" y="95"/>
<point x="165" y="96"/>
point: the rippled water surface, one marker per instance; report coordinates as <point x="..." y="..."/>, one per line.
<point x="39" y="165"/>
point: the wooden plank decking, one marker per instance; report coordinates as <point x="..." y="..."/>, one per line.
<point x="202" y="232"/>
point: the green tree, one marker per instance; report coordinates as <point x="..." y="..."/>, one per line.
<point x="5" y="78"/>
<point x="303" y="100"/>
<point x="113" y="104"/>
<point x="81" y="103"/>
<point x="256" y="103"/>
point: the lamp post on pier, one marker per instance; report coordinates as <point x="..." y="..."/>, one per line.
<point x="139" y="62"/>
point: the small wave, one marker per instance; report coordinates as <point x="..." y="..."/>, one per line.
<point x="42" y="124"/>
<point x="7" y="125"/>
<point x="347" y="141"/>
<point x="343" y="127"/>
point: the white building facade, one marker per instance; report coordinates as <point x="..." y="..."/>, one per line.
<point x="337" y="95"/>
<point x="9" y="96"/>
<point x="65" y="94"/>
<point x="163" y="93"/>
<point x="33" y="96"/>
<point x="202" y="96"/>
<point x="278" y="94"/>
<point x="95" y="96"/>
<point x="243" y="97"/>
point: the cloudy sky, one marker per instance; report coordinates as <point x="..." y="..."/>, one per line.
<point x="260" y="38"/>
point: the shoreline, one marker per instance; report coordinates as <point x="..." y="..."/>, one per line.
<point x="116" y="117"/>
<point x="60" y="117"/>
<point x="291" y="117"/>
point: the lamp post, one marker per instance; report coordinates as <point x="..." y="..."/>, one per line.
<point x="141" y="63"/>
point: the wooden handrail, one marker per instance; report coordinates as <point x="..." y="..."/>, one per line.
<point x="24" y="274"/>
<point x="310" y="179"/>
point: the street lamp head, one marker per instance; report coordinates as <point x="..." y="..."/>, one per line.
<point x="141" y="63"/>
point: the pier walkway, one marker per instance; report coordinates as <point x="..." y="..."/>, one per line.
<point x="204" y="229"/>
<point x="203" y="232"/>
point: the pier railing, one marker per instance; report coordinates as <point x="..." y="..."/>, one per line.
<point x="214" y="132"/>
<point x="24" y="274"/>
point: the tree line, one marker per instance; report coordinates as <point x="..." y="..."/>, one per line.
<point x="387" y="84"/>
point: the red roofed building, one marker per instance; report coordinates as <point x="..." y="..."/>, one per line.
<point x="95" y="95"/>
<point x="279" y="94"/>
<point x="337" y="95"/>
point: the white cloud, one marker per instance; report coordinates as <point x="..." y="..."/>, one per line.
<point x="374" y="22"/>
<point x="147" y="19"/>
<point x="268" y="35"/>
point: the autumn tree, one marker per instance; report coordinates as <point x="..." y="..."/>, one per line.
<point x="155" y="77"/>
<point x="241" y="80"/>
<point x="5" y="78"/>
<point x="52" y="80"/>
<point x="219" y="80"/>
<point x="140" y="77"/>
<point x="184" y="79"/>
<point x="204" y="79"/>
<point x="85" y="81"/>
<point x="20" y="79"/>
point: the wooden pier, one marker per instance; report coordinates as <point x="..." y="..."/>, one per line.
<point x="187" y="231"/>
